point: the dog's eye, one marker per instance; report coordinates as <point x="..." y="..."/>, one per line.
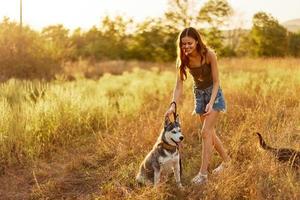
<point x="173" y="132"/>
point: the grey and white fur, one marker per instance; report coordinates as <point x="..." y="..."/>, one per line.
<point x="164" y="155"/>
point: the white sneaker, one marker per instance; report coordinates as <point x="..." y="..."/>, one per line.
<point x="220" y="168"/>
<point x="199" y="179"/>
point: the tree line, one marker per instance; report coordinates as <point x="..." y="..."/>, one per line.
<point x="26" y="53"/>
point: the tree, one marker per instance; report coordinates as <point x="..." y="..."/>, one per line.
<point x="58" y="42"/>
<point x="215" y="14"/>
<point x="153" y="42"/>
<point x="23" y="53"/>
<point x="114" y="32"/>
<point x="267" y="36"/>
<point x="180" y="14"/>
<point x="78" y="42"/>
<point x="244" y="46"/>
<point x="294" y="44"/>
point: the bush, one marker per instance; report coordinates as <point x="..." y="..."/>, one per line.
<point x="23" y="54"/>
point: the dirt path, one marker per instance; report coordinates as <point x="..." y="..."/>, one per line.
<point x="69" y="174"/>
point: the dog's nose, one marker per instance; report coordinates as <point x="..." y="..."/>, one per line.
<point x="181" y="138"/>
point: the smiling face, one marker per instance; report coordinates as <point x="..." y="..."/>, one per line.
<point x="188" y="45"/>
<point x="172" y="133"/>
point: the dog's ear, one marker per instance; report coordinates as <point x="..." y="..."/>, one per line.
<point x="177" y="119"/>
<point x="167" y="121"/>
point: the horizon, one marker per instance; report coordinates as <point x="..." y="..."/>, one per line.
<point x="38" y="15"/>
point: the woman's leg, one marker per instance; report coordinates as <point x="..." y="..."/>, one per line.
<point x="207" y="139"/>
<point x="219" y="147"/>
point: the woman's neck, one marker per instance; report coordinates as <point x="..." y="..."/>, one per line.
<point x="194" y="55"/>
<point x="194" y="58"/>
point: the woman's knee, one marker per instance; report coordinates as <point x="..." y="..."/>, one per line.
<point x="206" y="134"/>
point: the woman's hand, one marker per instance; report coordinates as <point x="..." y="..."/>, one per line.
<point x="208" y="109"/>
<point x="170" y="111"/>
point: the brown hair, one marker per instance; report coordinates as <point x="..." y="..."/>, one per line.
<point x="183" y="60"/>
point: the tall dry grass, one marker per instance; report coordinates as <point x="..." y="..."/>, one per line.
<point x="122" y="117"/>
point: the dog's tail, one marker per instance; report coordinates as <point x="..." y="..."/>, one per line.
<point x="263" y="143"/>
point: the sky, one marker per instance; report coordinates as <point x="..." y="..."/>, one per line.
<point x="87" y="13"/>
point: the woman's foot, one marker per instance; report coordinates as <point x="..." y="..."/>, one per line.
<point x="220" y="168"/>
<point x="199" y="179"/>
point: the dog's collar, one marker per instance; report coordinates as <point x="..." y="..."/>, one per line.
<point x="167" y="146"/>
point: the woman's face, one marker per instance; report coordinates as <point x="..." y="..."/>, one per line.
<point x="188" y="45"/>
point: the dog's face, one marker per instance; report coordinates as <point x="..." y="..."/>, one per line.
<point x="172" y="131"/>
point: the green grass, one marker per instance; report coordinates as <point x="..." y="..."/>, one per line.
<point x="85" y="139"/>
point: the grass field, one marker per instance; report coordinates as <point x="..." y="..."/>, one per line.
<point x="84" y="139"/>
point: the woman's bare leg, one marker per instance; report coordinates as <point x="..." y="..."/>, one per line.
<point x="219" y="147"/>
<point x="207" y="139"/>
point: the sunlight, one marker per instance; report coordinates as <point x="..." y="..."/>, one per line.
<point x="75" y="14"/>
<point x="86" y="14"/>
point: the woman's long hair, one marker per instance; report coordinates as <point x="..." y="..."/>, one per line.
<point x="183" y="60"/>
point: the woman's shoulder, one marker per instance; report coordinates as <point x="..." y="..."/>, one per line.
<point x="211" y="55"/>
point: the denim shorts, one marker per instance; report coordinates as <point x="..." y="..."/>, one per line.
<point x="202" y="97"/>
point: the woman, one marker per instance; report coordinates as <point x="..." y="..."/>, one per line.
<point x="194" y="56"/>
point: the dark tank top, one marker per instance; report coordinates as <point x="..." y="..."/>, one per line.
<point x="202" y="76"/>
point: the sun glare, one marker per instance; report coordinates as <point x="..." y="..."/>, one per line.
<point x="75" y="14"/>
<point x="86" y="14"/>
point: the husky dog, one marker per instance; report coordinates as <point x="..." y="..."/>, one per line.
<point x="282" y="154"/>
<point x="164" y="155"/>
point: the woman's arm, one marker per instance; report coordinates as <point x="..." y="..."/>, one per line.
<point x="178" y="89"/>
<point x="176" y="94"/>
<point x="215" y="76"/>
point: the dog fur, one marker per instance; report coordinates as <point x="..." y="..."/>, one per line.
<point x="282" y="154"/>
<point x="164" y="156"/>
